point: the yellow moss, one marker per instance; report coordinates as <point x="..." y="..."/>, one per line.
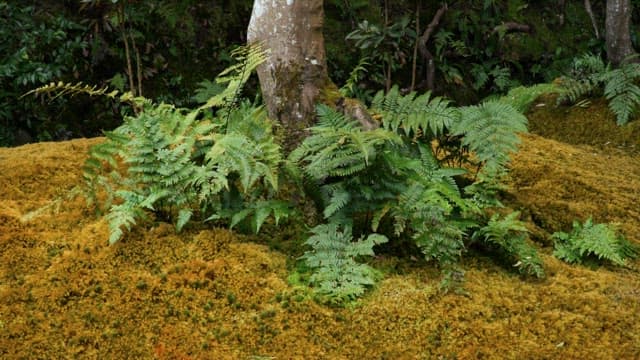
<point x="592" y="124"/>
<point x="209" y="294"/>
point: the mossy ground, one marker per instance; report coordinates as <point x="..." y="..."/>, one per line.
<point x="209" y="293"/>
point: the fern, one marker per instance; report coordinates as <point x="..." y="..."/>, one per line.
<point x="337" y="276"/>
<point x="350" y="88"/>
<point x="585" y="78"/>
<point x="416" y="115"/>
<point x="261" y="210"/>
<point x="590" y="76"/>
<point x="248" y="58"/>
<point x="433" y="210"/>
<point x="622" y="91"/>
<point x="490" y="130"/>
<point x="593" y="240"/>
<point x="509" y="235"/>
<point x="59" y="89"/>
<point x="157" y="148"/>
<point x="176" y="165"/>
<point x="390" y="178"/>
<point x="338" y="146"/>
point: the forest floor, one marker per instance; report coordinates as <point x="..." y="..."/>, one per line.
<point x="209" y="293"/>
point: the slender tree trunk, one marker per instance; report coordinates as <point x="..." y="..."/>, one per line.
<point x="594" y="22"/>
<point x="422" y="46"/>
<point x="618" y="35"/>
<point x="295" y="72"/>
<point x="294" y="77"/>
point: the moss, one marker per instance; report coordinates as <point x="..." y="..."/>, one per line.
<point x="575" y="313"/>
<point x="590" y="124"/>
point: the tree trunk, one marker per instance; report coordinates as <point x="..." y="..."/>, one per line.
<point x="295" y="72"/>
<point x="618" y="35"/>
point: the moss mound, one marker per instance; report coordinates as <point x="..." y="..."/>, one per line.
<point x="592" y="124"/>
<point x="209" y="293"/>
<point x="557" y="183"/>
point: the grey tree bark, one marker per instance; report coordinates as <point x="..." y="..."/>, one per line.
<point x="618" y="34"/>
<point x="295" y="72"/>
<point x="294" y="77"/>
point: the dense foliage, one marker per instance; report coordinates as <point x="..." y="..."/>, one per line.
<point x="164" y="51"/>
<point x="391" y="180"/>
<point x="48" y="48"/>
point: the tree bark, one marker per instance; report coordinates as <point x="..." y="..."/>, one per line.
<point x="618" y="35"/>
<point x="294" y="77"/>
<point x="295" y="72"/>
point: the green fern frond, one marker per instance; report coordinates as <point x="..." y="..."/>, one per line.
<point x="56" y="90"/>
<point x="235" y="152"/>
<point x="415" y="115"/>
<point x="593" y="240"/>
<point x="430" y="208"/>
<point x="184" y="215"/>
<point x="124" y="215"/>
<point x="509" y="235"/>
<point x="442" y="242"/>
<point x="338" y="146"/>
<point x="261" y="210"/>
<point x="248" y="58"/>
<point x="572" y="90"/>
<point x="338" y="277"/>
<point x="358" y="72"/>
<point x="490" y="130"/>
<point x="622" y="91"/>
<point x="338" y="197"/>
<point x="587" y="65"/>
<point x="585" y="78"/>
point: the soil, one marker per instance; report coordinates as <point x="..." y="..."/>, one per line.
<point x="209" y="293"/>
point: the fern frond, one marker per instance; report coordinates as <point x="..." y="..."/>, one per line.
<point x="337" y="276"/>
<point x="415" y="115"/>
<point x="585" y="78"/>
<point x="622" y="91"/>
<point x="248" y="58"/>
<point x="490" y="130"/>
<point x="124" y="215"/>
<point x="593" y="240"/>
<point x="261" y="210"/>
<point x="235" y="152"/>
<point x="521" y="97"/>
<point x="358" y="72"/>
<point x="337" y="198"/>
<point x="338" y="147"/>
<point x="509" y="235"/>
<point x="56" y="90"/>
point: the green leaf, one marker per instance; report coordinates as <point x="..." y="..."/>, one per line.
<point x="184" y="215"/>
<point x="239" y="216"/>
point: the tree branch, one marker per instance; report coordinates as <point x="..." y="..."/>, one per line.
<point x="424" y="39"/>
<point x="511" y="26"/>
<point x="594" y="23"/>
<point x="414" y="63"/>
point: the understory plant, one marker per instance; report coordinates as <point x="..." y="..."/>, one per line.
<point x="398" y="181"/>
<point x="591" y="241"/>
<point x="591" y="77"/>
<point x="219" y="161"/>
